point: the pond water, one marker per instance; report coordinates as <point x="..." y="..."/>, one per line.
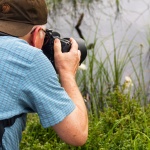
<point x="104" y="21"/>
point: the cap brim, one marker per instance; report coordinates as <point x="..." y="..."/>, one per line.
<point x="15" y="28"/>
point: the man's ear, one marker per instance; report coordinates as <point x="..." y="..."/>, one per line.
<point x="37" y="40"/>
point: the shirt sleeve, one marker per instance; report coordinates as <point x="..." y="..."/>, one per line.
<point x="42" y="93"/>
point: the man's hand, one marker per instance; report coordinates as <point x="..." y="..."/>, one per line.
<point x="67" y="62"/>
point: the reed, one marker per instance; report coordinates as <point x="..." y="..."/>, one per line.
<point x="106" y="74"/>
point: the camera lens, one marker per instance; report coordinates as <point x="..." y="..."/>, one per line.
<point x="82" y="48"/>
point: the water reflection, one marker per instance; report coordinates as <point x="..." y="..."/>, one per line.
<point x="99" y="16"/>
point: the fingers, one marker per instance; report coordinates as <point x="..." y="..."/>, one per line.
<point x="57" y="46"/>
<point x="74" y="46"/>
<point x="71" y="57"/>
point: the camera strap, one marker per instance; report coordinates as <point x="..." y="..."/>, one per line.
<point x="7" y="123"/>
<point x="5" y="34"/>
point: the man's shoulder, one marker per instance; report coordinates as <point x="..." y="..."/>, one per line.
<point x="19" y="48"/>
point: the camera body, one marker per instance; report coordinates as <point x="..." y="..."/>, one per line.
<point x="48" y="46"/>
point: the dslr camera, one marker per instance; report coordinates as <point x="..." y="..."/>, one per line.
<point x="48" y="46"/>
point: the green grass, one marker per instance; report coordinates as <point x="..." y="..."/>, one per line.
<point x="123" y="125"/>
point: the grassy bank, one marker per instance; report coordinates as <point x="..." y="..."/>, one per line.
<point x="124" y="125"/>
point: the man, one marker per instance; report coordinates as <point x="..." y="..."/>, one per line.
<point x="28" y="81"/>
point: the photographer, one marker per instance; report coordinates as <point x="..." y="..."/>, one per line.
<point x="29" y="82"/>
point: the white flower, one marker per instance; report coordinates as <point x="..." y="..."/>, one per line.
<point x="82" y="67"/>
<point x="127" y="86"/>
<point x="128" y="82"/>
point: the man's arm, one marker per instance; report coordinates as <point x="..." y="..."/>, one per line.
<point x="74" y="128"/>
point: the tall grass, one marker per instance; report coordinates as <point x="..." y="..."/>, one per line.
<point x="106" y="74"/>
